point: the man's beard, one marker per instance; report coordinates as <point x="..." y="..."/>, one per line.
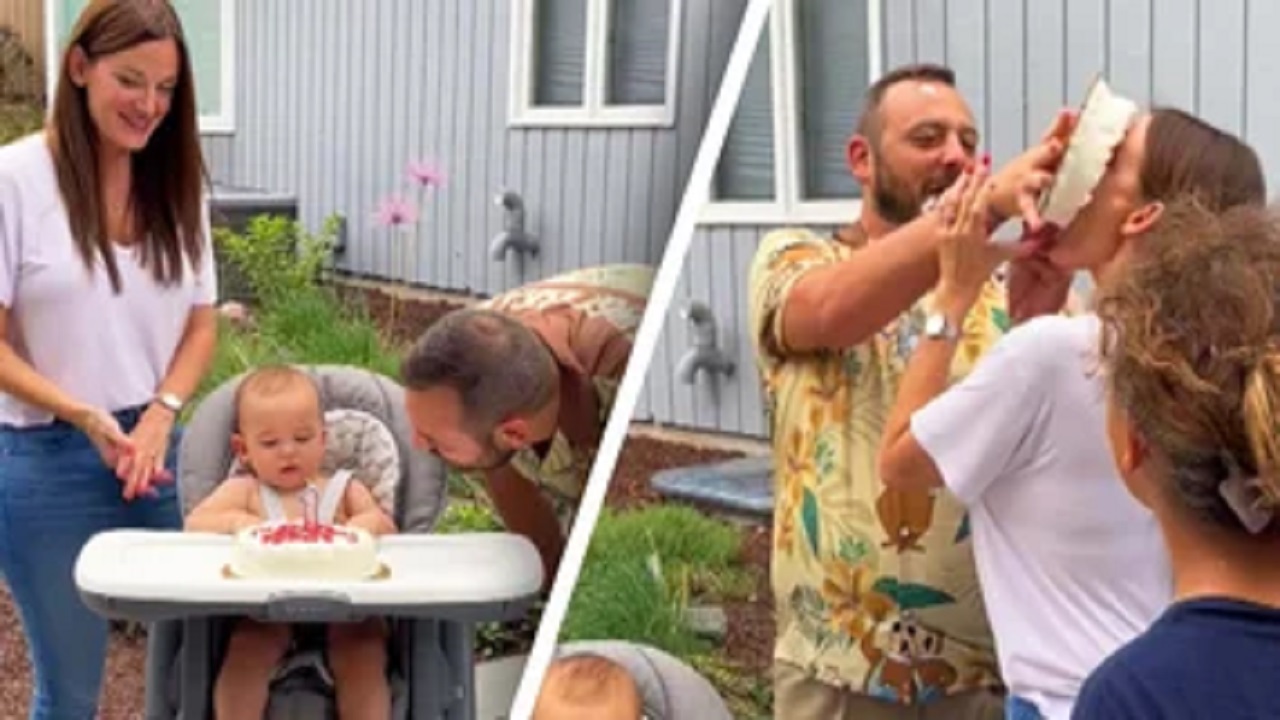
<point x="491" y="458"/>
<point x="896" y="201"/>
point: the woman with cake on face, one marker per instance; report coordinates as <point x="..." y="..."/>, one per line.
<point x="279" y="440"/>
<point x="1071" y="567"/>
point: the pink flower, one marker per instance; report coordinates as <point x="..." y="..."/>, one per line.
<point x="425" y="174"/>
<point x="395" y="211"/>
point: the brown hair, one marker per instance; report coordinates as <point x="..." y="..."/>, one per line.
<point x="497" y="366"/>
<point x="869" y="121"/>
<point x="1191" y="351"/>
<point x="1185" y="154"/>
<point x="167" y="173"/>
<point x="270" y="380"/>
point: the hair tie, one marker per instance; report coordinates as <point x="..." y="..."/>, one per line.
<point x="1247" y="502"/>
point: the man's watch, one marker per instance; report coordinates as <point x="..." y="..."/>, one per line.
<point x="170" y="402"/>
<point x="937" y="326"/>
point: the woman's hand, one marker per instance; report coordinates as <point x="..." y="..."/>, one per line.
<point x="1019" y="184"/>
<point x="145" y="466"/>
<point x="966" y="255"/>
<point x="105" y="434"/>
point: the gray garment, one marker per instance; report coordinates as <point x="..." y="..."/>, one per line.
<point x="328" y="502"/>
<point x="669" y="689"/>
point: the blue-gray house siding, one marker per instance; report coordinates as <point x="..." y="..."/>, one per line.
<point x="1018" y="62"/>
<point x="334" y="98"/>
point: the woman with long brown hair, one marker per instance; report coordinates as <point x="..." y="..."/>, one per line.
<point x="107" y="326"/>
<point x="1070" y="566"/>
<point x="1191" y="359"/>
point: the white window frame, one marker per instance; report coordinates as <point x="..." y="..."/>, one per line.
<point x="788" y="204"/>
<point x="593" y="112"/>
<point x="221" y="124"/>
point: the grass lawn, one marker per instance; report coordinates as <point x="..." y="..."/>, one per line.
<point x="645" y="569"/>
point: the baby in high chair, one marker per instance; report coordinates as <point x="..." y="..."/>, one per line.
<point x="279" y="440"/>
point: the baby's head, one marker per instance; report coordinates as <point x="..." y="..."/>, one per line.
<point x="588" y="686"/>
<point x="279" y="431"/>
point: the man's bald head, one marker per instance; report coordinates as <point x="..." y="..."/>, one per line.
<point x="870" y="122"/>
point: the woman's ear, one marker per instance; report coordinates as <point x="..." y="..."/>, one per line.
<point x="78" y="66"/>
<point x="1143" y="219"/>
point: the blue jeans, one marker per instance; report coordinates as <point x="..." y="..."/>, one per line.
<point x="1015" y="708"/>
<point x="55" y="493"/>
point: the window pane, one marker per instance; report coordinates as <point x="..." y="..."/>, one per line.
<point x="747" y="164"/>
<point x="202" y="24"/>
<point x="560" y="51"/>
<point x="834" y="70"/>
<point x="638" y="36"/>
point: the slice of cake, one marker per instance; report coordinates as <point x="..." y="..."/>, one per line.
<point x="1102" y="123"/>
<point x="300" y="550"/>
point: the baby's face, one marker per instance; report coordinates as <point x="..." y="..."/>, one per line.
<point x="282" y="437"/>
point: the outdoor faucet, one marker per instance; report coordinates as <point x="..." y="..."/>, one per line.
<point x="513" y="235"/>
<point x="705" y="354"/>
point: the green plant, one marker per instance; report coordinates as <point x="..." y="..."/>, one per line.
<point x="642" y="571"/>
<point x="467" y="517"/>
<point x="278" y="258"/>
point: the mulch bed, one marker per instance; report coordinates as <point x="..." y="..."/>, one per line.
<point x="124" y="681"/>
<point x="749" y="641"/>
<point x="412" y="316"/>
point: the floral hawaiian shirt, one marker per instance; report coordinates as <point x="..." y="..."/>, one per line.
<point x="588" y="319"/>
<point x="875" y="590"/>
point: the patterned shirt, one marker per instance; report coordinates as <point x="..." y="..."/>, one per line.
<point x="876" y="590"/>
<point x="588" y="319"/>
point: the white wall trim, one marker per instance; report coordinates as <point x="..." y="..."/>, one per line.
<point x="789" y="206"/>
<point x="221" y="124"/>
<point x="594" y="112"/>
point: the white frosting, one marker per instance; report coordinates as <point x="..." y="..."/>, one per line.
<point x="1103" y="121"/>
<point x="342" y="553"/>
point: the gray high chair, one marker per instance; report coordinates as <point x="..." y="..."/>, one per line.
<point x="439" y="585"/>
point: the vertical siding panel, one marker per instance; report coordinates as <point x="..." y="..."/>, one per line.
<point x="1046" y="70"/>
<point x="966" y="53"/>
<point x="433" y="251"/>
<point x="643" y="238"/>
<point x="683" y="396"/>
<point x="499" y="92"/>
<point x="1174" y="54"/>
<point x="899" y="32"/>
<point x="612" y="240"/>
<point x="1086" y="45"/>
<point x="586" y="249"/>
<point x="745" y="242"/>
<point x="703" y="388"/>
<point x="555" y="203"/>
<point x="344" y="135"/>
<point x="484" y="143"/>
<point x="1129" y="47"/>
<point x="465" y="144"/>
<point x="931" y="30"/>
<point x="1262" y="103"/>
<point x="1006" y="79"/>
<point x="447" y="103"/>
<point x="727" y="285"/>
<point x="1221" y="63"/>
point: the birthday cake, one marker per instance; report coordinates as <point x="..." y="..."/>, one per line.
<point x="302" y="550"/>
<point x="1102" y="123"/>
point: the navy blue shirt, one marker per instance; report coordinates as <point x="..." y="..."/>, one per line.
<point x="1216" y="659"/>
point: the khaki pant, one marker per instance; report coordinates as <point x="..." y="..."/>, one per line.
<point x="797" y="696"/>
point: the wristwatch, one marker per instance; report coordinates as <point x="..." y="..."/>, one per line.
<point x="171" y="402"/>
<point x="937" y="326"/>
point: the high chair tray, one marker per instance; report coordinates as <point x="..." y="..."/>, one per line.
<point x="160" y="575"/>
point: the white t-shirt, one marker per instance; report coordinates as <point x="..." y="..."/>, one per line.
<point x="1071" y="566"/>
<point x="110" y="351"/>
